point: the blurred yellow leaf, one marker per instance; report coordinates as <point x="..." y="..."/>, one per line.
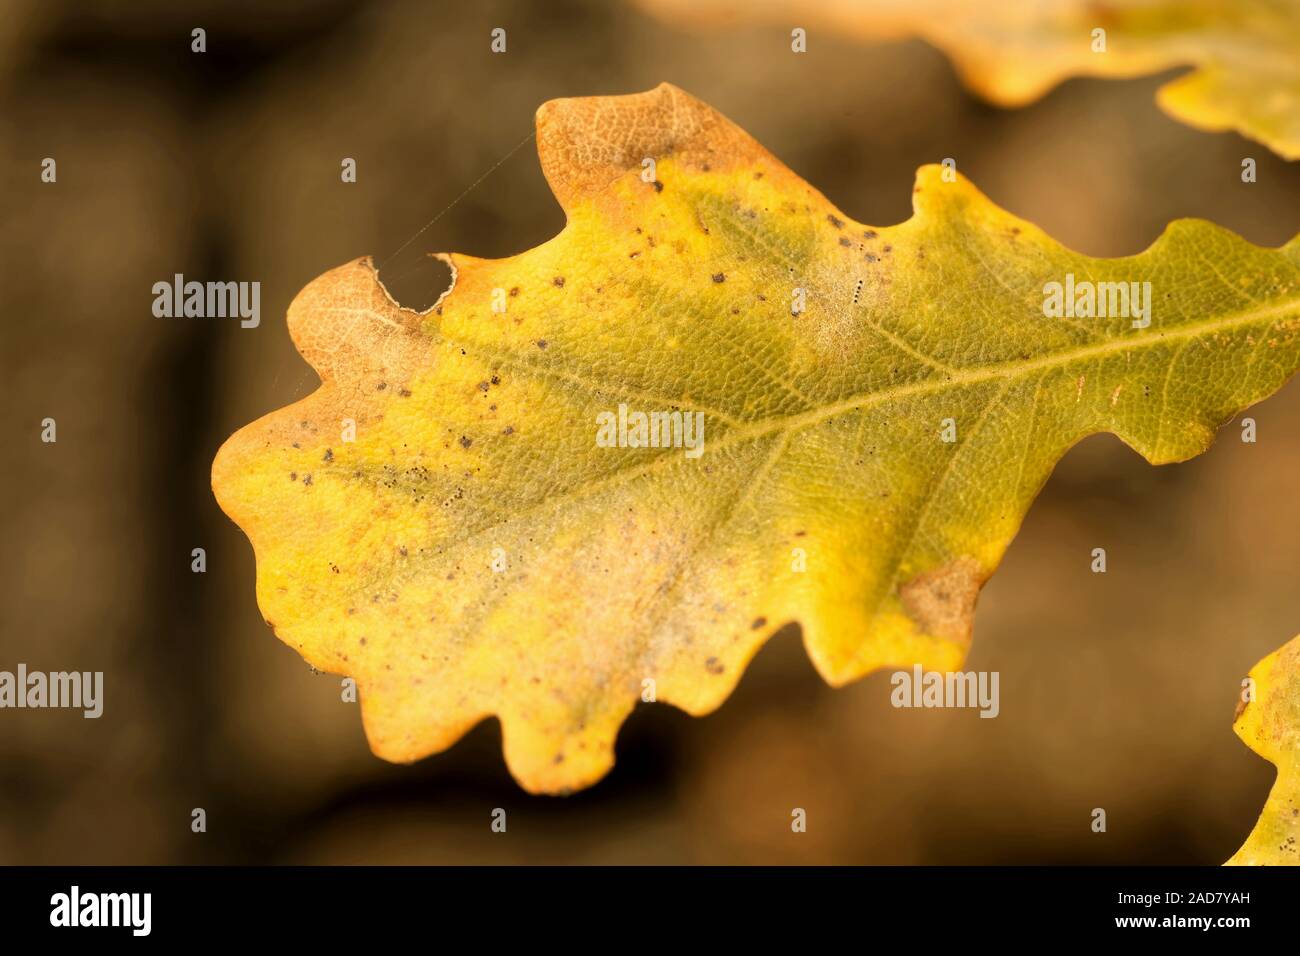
<point x="878" y="408"/>
<point x="1246" y="53"/>
<point x="1270" y="725"/>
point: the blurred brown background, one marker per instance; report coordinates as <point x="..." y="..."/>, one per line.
<point x="1117" y="689"/>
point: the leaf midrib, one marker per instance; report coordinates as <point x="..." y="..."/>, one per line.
<point x="1011" y="369"/>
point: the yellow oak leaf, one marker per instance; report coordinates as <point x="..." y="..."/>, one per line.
<point x="471" y="518"/>
<point x="1270" y="725"/>
<point x="1246" y="53"/>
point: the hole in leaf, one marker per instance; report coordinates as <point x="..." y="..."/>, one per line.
<point x="415" y="283"/>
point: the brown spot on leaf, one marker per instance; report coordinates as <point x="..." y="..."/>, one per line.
<point x="835" y="221"/>
<point x="558" y="282"/>
<point x="758" y="622"/>
<point x="942" y="602"/>
<point x="714" y="666"/>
